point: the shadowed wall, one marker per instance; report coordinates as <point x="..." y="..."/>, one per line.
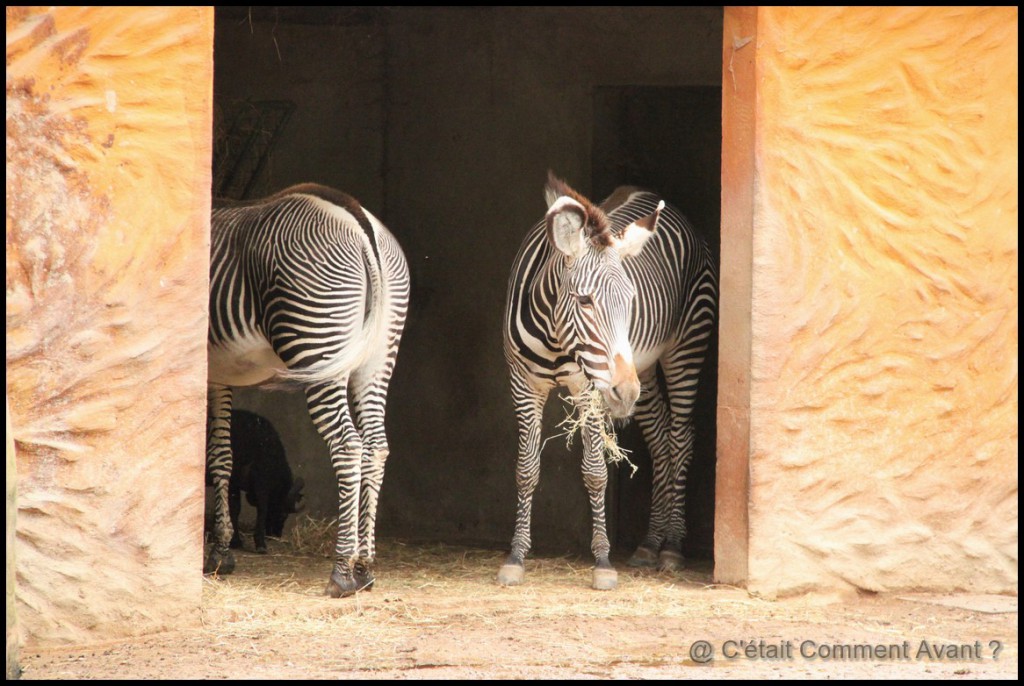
<point x="444" y="122"/>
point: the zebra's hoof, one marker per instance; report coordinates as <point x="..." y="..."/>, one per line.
<point x="364" y="580"/>
<point x="511" y="575"/>
<point x="643" y="557"/>
<point x="219" y="563"/>
<point x="670" y="561"/>
<point x="605" y="579"/>
<point x="341" y="586"/>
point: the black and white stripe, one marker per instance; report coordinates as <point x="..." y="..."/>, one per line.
<point x="634" y="291"/>
<point x="308" y="289"/>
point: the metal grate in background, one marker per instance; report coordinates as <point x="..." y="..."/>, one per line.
<point x="243" y="142"/>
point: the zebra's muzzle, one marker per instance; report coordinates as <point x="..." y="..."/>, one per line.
<point x="622" y="395"/>
<point x="621" y="400"/>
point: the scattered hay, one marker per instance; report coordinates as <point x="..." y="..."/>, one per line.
<point x="437" y="610"/>
<point x="241" y="611"/>
<point x="311" y="536"/>
<point x="588" y="406"/>
<point x="423" y="590"/>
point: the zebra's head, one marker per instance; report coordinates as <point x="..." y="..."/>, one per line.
<point x="595" y="296"/>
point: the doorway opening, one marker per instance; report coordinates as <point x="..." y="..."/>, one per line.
<point x="666" y="139"/>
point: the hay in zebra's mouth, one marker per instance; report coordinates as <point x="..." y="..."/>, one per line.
<point x="588" y="405"/>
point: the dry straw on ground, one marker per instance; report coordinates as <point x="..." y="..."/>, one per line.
<point x="437" y="611"/>
<point x="434" y="584"/>
<point x="311" y="536"/>
<point x="422" y="589"/>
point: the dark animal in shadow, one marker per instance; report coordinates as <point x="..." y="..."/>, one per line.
<point x="261" y="470"/>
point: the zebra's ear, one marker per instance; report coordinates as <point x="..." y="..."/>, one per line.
<point x="554" y="189"/>
<point x="634" y="237"/>
<point x="565" y="221"/>
<point x="550" y="195"/>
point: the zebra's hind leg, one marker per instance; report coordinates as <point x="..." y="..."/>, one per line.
<point x="374" y="459"/>
<point x="595" y="478"/>
<point x="369" y="390"/>
<point x="218" y="464"/>
<point x="372" y="476"/>
<point x="671" y="556"/>
<point x="328" y="408"/>
<point x="682" y="366"/>
<point x="529" y="405"/>
<point x="655" y="420"/>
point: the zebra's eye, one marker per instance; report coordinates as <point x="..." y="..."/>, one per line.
<point x="585" y="300"/>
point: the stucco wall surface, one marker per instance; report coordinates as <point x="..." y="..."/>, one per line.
<point x="884" y="370"/>
<point x="11" y="653"/>
<point x="107" y="198"/>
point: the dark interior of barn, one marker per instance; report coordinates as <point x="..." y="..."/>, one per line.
<point x="444" y="122"/>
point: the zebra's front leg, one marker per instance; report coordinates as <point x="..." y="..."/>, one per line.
<point x="328" y="408"/>
<point x="529" y="413"/>
<point x="595" y="478"/>
<point x="218" y="464"/>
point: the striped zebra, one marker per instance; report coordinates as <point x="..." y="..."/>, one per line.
<point x="602" y="296"/>
<point x="308" y="290"/>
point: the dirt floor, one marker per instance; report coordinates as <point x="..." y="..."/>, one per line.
<point x="437" y="613"/>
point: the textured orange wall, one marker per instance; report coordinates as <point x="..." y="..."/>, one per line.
<point x="108" y="195"/>
<point x="884" y="300"/>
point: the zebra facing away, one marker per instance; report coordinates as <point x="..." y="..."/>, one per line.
<point x="602" y="296"/>
<point x="308" y="289"/>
